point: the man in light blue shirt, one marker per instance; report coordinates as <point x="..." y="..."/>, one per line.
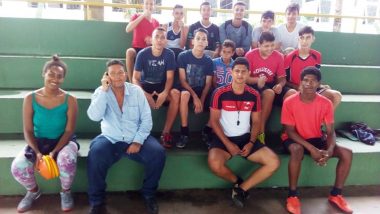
<point x="126" y="123"/>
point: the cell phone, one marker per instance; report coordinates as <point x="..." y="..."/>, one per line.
<point x="107" y="76"/>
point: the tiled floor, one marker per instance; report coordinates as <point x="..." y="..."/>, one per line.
<point x="364" y="200"/>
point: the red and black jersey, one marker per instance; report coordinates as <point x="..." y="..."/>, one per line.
<point x="236" y="109"/>
<point x="294" y="64"/>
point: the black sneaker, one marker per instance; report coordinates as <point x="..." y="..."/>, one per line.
<point x="151" y="205"/>
<point x="239" y="196"/>
<point x="182" y="141"/>
<point x="206" y="137"/>
<point x="98" y="209"/>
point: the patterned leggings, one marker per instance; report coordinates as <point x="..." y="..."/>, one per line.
<point x="23" y="169"/>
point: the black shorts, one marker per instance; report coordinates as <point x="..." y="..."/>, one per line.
<point x="176" y="51"/>
<point x="137" y="50"/>
<point x="240" y="141"/>
<point x="319" y="143"/>
<point x="278" y="98"/>
<point x="198" y="92"/>
<point x="150" y="88"/>
<point x="321" y="90"/>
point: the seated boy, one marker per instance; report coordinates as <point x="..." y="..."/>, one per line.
<point x="176" y="31"/>
<point x="154" y="72"/>
<point x="237" y="30"/>
<point x="288" y="32"/>
<point x="302" y="115"/>
<point x="235" y="118"/>
<point x="267" y="20"/>
<point x="304" y="56"/>
<point x="142" y="26"/>
<point x="268" y="77"/>
<point x="195" y="74"/>
<point x="212" y="48"/>
<point x="222" y="76"/>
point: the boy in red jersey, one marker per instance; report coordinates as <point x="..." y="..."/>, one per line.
<point x="304" y="56"/>
<point x="235" y="119"/>
<point x="268" y="76"/>
<point x="142" y="26"/>
<point x="302" y="115"/>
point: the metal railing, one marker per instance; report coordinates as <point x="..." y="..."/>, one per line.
<point x="88" y="4"/>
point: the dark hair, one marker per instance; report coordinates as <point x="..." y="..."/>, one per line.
<point x="266" y="37"/>
<point x="241" y="3"/>
<point x="177" y="6"/>
<point x="268" y="15"/>
<point x="305" y="30"/>
<point x="160" y="29"/>
<point x="201" y="30"/>
<point x="205" y="3"/>
<point x="313" y="71"/>
<point x="55" y="61"/>
<point x="229" y="44"/>
<point x="115" y="62"/>
<point x="240" y="61"/>
<point x="293" y="7"/>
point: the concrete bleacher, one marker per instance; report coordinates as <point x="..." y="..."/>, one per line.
<point x="350" y="64"/>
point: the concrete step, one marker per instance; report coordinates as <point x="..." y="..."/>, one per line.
<point x="44" y="37"/>
<point x="84" y="73"/>
<point x="108" y="39"/>
<point x="352" y="79"/>
<point x="353" y="108"/>
<point x="362" y="199"/>
<point x="187" y="169"/>
<point x="25" y="72"/>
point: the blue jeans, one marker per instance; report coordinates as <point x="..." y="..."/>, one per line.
<point x="103" y="154"/>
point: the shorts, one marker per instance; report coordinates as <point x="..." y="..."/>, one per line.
<point x="45" y="146"/>
<point x="240" y="141"/>
<point x="321" y="90"/>
<point x="278" y="98"/>
<point x="319" y="143"/>
<point x="177" y="51"/>
<point x="150" y="88"/>
<point x="198" y="92"/>
<point x="137" y="50"/>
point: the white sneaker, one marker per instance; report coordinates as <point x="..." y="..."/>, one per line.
<point x="26" y="203"/>
<point x="67" y="202"/>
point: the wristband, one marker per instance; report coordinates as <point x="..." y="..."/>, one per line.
<point x="251" y="141"/>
